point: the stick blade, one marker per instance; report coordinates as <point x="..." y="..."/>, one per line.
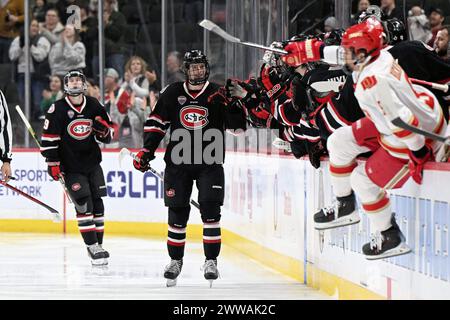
<point x="211" y="26"/>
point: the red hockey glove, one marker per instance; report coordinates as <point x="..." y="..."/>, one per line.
<point x="271" y="83"/>
<point x="300" y="52"/>
<point x="100" y="127"/>
<point x="417" y="159"/>
<point x="142" y="160"/>
<point x="54" y="170"/>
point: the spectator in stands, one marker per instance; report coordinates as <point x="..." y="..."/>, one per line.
<point x="390" y="10"/>
<point x="51" y="94"/>
<point x="362" y="6"/>
<point x="89" y="36"/>
<point x="174" y="62"/>
<point x="436" y="18"/>
<point x="154" y="88"/>
<point x="115" y="23"/>
<point x="117" y="103"/>
<point x="39" y="9"/>
<point x="39" y="68"/>
<point x="330" y="24"/>
<point x="67" y="54"/>
<point x="52" y="27"/>
<point x="418" y="25"/>
<point x="137" y="85"/>
<point x="93" y="89"/>
<point x="63" y="5"/>
<point x="441" y="44"/>
<point x="11" y="19"/>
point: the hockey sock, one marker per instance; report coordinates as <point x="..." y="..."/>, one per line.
<point x="176" y="240"/>
<point x="211" y="239"/>
<point x="379" y="213"/>
<point x="99" y="222"/>
<point x="87" y="228"/>
<point x="340" y="178"/>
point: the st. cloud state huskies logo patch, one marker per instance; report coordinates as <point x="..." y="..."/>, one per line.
<point x="80" y="128"/>
<point x="194" y="117"/>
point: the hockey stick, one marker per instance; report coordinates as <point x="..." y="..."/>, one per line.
<point x="402" y="124"/>
<point x="211" y="26"/>
<point x="33" y="134"/>
<point x="56" y="215"/>
<point x="433" y="85"/>
<point x="125" y="152"/>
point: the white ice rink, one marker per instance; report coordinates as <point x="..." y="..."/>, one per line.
<point x="47" y="266"/>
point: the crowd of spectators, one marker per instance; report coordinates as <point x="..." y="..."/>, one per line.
<point x="59" y="44"/>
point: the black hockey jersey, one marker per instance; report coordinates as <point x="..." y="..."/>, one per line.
<point x="68" y="137"/>
<point x="194" y="120"/>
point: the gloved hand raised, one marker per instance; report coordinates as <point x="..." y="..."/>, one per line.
<point x="417" y="160"/>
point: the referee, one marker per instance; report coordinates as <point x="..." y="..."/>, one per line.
<point x="5" y="139"/>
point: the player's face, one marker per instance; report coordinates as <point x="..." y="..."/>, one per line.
<point x="350" y="58"/>
<point x="197" y="71"/>
<point x="75" y="82"/>
<point x="442" y="40"/>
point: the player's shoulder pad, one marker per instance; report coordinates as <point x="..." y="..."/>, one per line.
<point x="172" y="88"/>
<point x="93" y="101"/>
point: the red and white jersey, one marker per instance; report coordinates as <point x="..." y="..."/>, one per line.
<point x="384" y="93"/>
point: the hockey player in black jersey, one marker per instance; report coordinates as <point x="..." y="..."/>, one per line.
<point x="197" y="113"/>
<point x="73" y="127"/>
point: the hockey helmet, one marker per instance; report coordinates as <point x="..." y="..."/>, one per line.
<point x="366" y="37"/>
<point x="194" y="57"/>
<point x="77" y="90"/>
<point x="371" y="11"/>
<point x="395" y="31"/>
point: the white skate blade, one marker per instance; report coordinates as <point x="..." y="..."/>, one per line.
<point x="99" y="262"/>
<point x="401" y="249"/>
<point x="339" y="222"/>
<point x="171" y="283"/>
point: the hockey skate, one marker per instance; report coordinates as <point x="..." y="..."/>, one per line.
<point x="341" y="213"/>
<point x="172" y="271"/>
<point x="388" y="243"/>
<point x="210" y="271"/>
<point x="99" y="257"/>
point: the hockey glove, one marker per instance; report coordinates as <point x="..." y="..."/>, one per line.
<point x="142" y="160"/>
<point x="417" y="159"/>
<point x="235" y="89"/>
<point x="100" y="127"/>
<point x="300" y="52"/>
<point x="54" y="170"/>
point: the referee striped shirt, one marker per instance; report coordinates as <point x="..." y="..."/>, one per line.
<point x="5" y="130"/>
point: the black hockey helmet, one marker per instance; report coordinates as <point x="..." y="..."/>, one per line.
<point x="74" y="91"/>
<point x="395" y="31"/>
<point x="192" y="57"/>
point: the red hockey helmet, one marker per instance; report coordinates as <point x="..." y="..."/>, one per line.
<point x="367" y="36"/>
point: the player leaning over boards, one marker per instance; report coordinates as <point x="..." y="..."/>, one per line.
<point x="5" y="138"/>
<point x="72" y="128"/>
<point x="197" y="112"/>
<point x="384" y="92"/>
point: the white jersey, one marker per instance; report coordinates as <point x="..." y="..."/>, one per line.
<point x="384" y="93"/>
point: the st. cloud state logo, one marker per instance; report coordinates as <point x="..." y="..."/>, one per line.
<point x="194" y="117"/>
<point x="80" y="129"/>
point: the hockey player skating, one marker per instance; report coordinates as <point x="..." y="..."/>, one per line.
<point x="197" y="113"/>
<point x="384" y="92"/>
<point x="72" y="128"/>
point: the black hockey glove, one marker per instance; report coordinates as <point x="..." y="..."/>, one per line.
<point x="315" y="152"/>
<point x="100" y="127"/>
<point x="142" y="160"/>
